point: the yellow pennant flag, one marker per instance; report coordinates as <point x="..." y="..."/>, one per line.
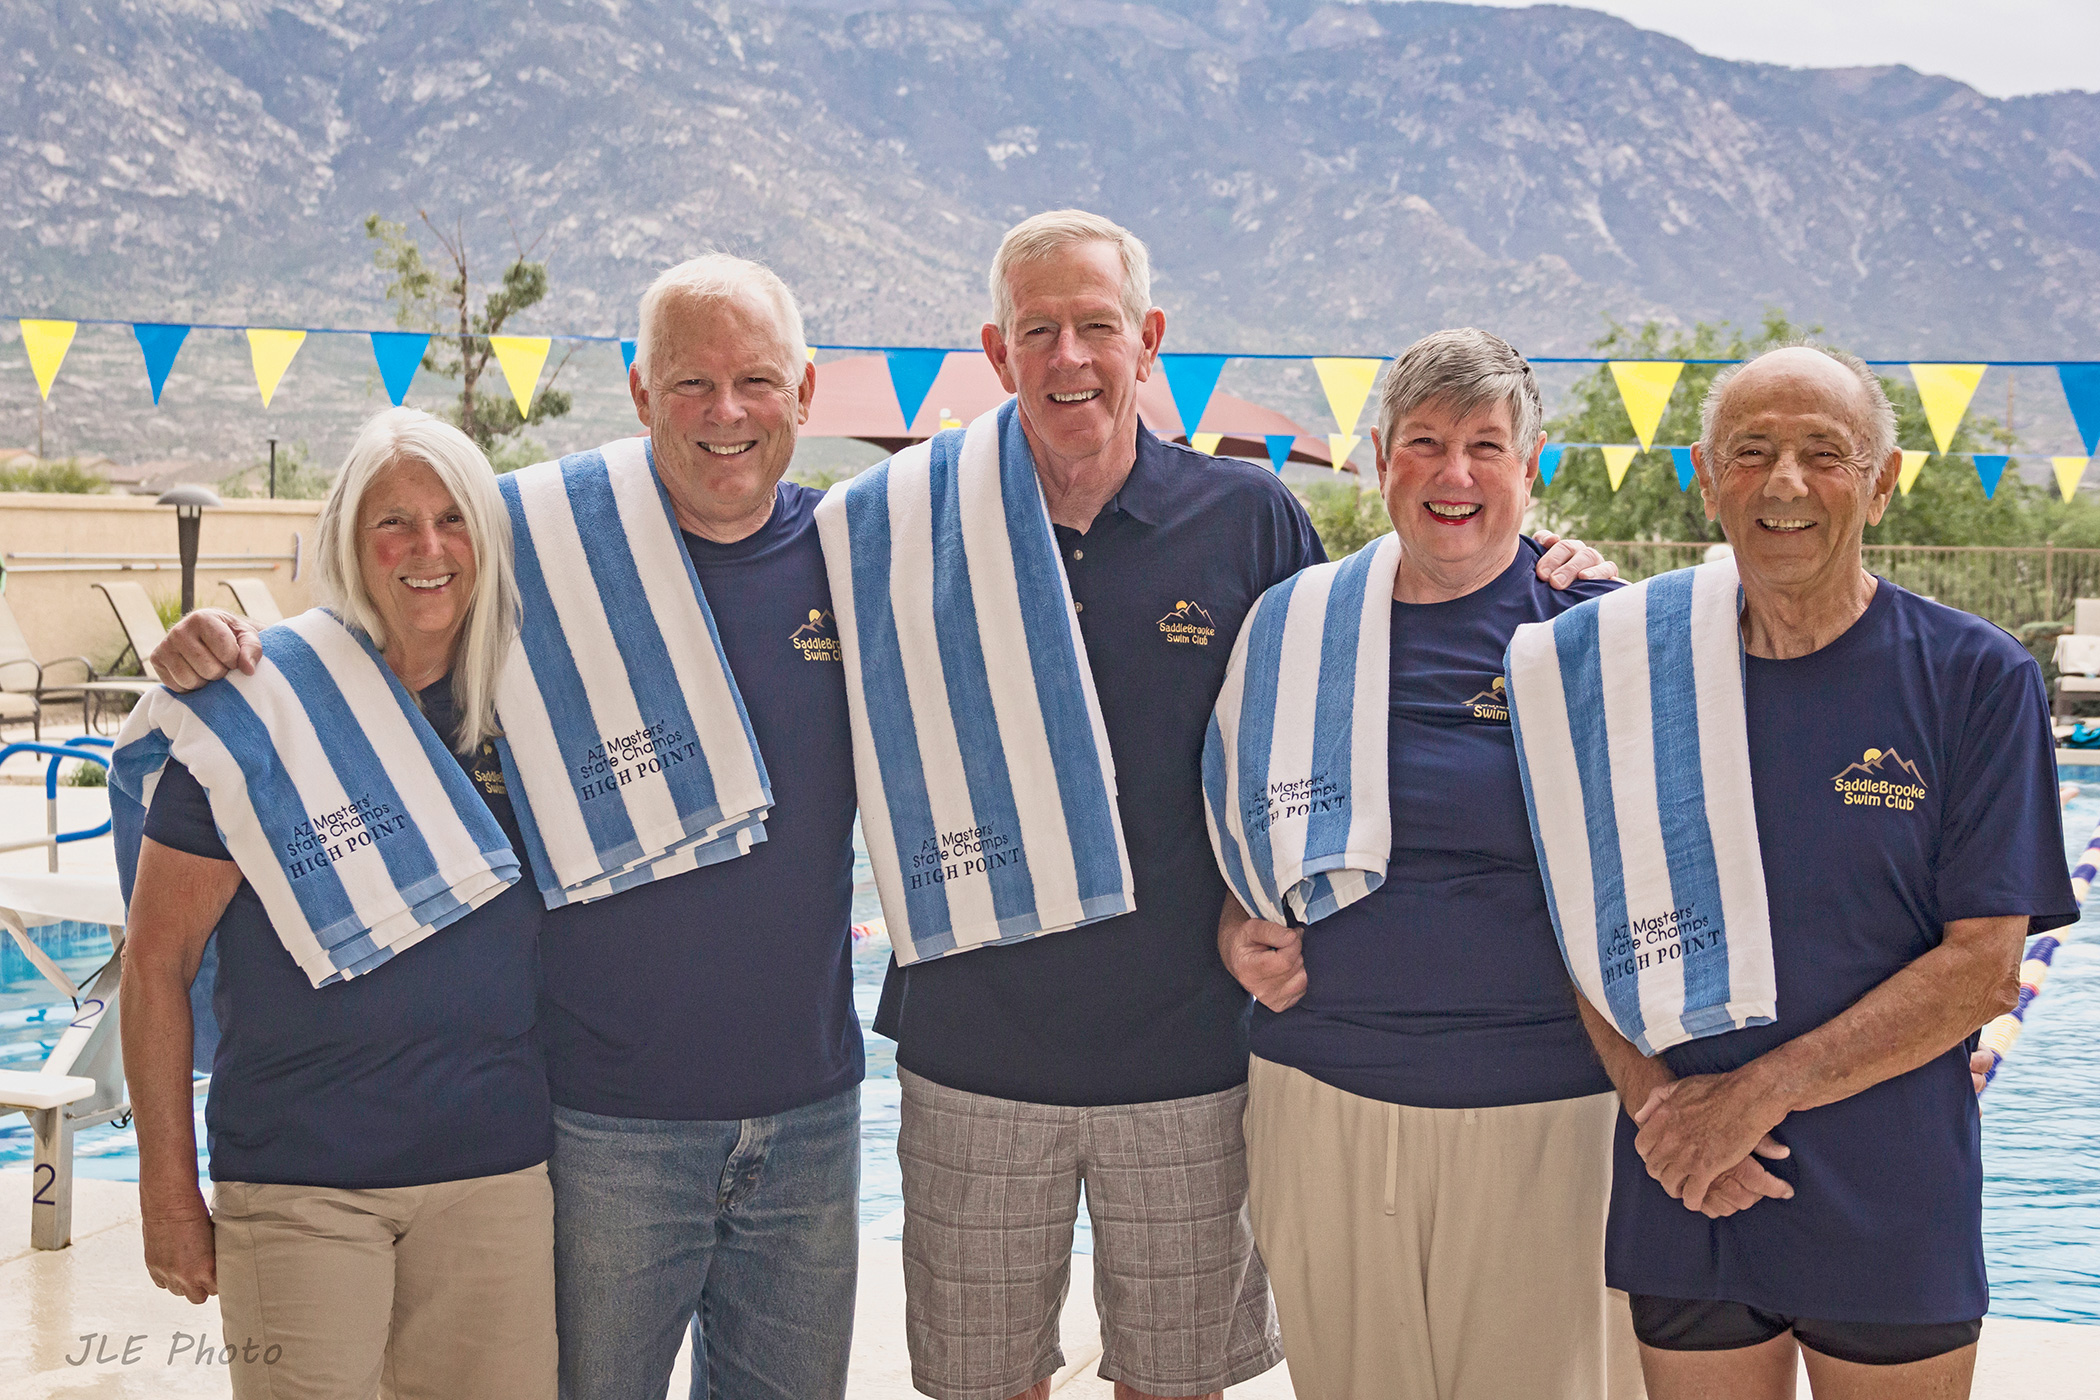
<point x="47" y="343"/>
<point x="1348" y="384"/>
<point x="1340" y="445"/>
<point x="271" y="353"/>
<point x="1645" y="386"/>
<point x="1616" y="461"/>
<point x="1206" y="443"/>
<point x="521" y="356"/>
<point x="1945" y="391"/>
<point x="1907" y="476"/>
<point x="2068" y="471"/>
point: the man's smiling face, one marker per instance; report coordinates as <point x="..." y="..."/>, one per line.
<point x="1793" y="477"/>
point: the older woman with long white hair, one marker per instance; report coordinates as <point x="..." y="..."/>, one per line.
<point x="378" y="1114"/>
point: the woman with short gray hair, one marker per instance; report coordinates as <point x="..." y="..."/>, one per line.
<point x="378" y="1113"/>
<point x="1428" y="1129"/>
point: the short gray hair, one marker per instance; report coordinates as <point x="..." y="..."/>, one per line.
<point x="407" y="435"/>
<point x="1881" y="414"/>
<point x="1464" y="369"/>
<point x="719" y="277"/>
<point x="1044" y="235"/>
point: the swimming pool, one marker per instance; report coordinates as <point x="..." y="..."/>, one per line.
<point x="2041" y="1122"/>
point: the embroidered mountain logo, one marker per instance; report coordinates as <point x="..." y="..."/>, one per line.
<point x="818" y="638"/>
<point x="1188" y="623"/>
<point x="1881" y="778"/>
<point x="1491" y="704"/>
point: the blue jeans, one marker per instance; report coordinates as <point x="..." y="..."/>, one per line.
<point x="749" y="1229"/>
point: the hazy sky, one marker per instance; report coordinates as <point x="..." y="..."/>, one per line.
<point x="1999" y="47"/>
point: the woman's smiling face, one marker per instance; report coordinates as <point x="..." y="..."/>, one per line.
<point x="414" y="554"/>
<point x="1456" y="483"/>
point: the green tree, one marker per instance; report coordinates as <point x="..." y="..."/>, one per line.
<point x="1345" y="516"/>
<point x="64" y="475"/>
<point x="441" y="300"/>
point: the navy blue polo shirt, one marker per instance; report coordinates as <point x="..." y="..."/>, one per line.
<point x="727" y="992"/>
<point x="1139" y="1008"/>
<point x="1445" y="987"/>
<point x="424" y="1069"/>
<point x="1905" y="777"/>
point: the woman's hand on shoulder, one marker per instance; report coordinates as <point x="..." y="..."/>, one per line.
<point x="1567" y="560"/>
<point x="180" y="1255"/>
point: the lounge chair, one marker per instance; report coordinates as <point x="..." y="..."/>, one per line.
<point x="252" y="596"/>
<point x="2078" y="656"/>
<point x="142" y="633"/>
<point x="25" y="682"/>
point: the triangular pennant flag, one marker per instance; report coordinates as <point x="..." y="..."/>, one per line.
<point x="1339" y="446"/>
<point x="159" y="343"/>
<point x="522" y="358"/>
<point x="2082" y="389"/>
<point x="1990" y="466"/>
<point x="912" y="373"/>
<point x="1192" y="379"/>
<point x="1549" y="461"/>
<point x="1645" y="386"/>
<point x="1279" y="445"/>
<point x="1616" y="461"/>
<point x="1206" y="443"/>
<point x="400" y="354"/>
<point x="1348" y="384"/>
<point x="47" y="343"/>
<point x="627" y="354"/>
<point x="1945" y="390"/>
<point x="810" y="353"/>
<point x="2068" y="471"/>
<point x="1686" y="474"/>
<point x="271" y="353"/>
<point x="1913" y="463"/>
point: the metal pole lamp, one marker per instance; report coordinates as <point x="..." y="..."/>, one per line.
<point x="189" y="503"/>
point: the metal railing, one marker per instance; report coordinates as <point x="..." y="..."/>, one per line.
<point x="2010" y="585"/>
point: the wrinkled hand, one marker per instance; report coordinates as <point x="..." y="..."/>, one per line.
<point x="1567" y="560"/>
<point x="1979" y="1067"/>
<point x="180" y="1256"/>
<point x="1693" y="1130"/>
<point x="1747" y="1182"/>
<point x="204" y="646"/>
<point x="1267" y="959"/>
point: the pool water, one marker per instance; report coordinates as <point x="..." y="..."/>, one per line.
<point x="2041" y="1121"/>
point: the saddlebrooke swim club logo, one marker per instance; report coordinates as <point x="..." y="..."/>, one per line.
<point x="1491" y="704"/>
<point x="818" y="638"/>
<point x="1188" y="623"/>
<point x="1881" y="778"/>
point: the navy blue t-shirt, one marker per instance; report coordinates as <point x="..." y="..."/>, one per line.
<point x="1139" y="1008"/>
<point x="424" y="1069"/>
<point x="1905" y="777"/>
<point x="727" y="992"/>
<point x="1445" y="987"/>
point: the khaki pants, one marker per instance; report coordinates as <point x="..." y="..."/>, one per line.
<point x="1437" y="1254"/>
<point x="442" y="1292"/>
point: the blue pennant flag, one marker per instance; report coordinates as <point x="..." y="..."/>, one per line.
<point x="159" y="343"/>
<point x="627" y="354"/>
<point x="1549" y="461"/>
<point x="2082" y="388"/>
<point x="1685" y="475"/>
<point x="912" y="373"/>
<point x="1279" y="445"/>
<point x="1192" y="379"/>
<point x="399" y="353"/>
<point x="1989" y="468"/>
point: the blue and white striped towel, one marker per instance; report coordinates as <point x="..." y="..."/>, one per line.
<point x="1294" y="764"/>
<point x="1630" y="729"/>
<point x="336" y="798"/>
<point x="987" y="792"/>
<point x="623" y="730"/>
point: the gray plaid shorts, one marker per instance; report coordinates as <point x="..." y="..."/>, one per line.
<point x="991" y="1191"/>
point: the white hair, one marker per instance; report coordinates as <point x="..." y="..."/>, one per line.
<point x="1044" y="235"/>
<point x="1465" y="370"/>
<point x="400" y="435"/>
<point x="1880" y="421"/>
<point x="718" y="277"/>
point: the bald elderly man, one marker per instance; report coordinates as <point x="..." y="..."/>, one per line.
<point x="1907" y="815"/>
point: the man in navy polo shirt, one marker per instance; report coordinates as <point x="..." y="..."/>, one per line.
<point x="1907" y="817"/>
<point x="1113" y="1054"/>
<point x="702" y="1049"/>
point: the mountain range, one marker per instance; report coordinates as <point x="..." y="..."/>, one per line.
<point x="1312" y="177"/>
